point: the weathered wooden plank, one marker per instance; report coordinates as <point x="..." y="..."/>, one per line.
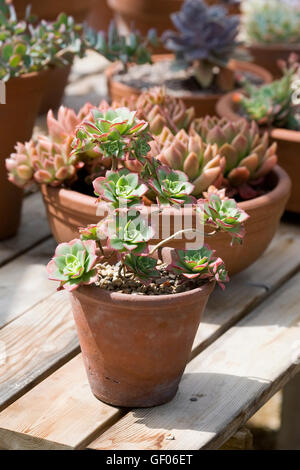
<point x="37" y="342"/>
<point x="230" y="380"/>
<point x="59" y="413"/>
<point x="34" y="228"/>
<point x="24" y="282"/>
<point x="224" y="310"/>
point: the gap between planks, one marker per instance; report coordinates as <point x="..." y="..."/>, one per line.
<point x="224" y="310"/>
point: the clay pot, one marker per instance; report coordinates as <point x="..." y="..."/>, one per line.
<point x="100" y="15"/>
<point x="135" y="348"/>
<point x="203" y="104"/>
<point x="288" y="149"/>
<point x="58" y="79"/>
<point x="267" y="55"/>
<point x="17" y="116"/>
<point x="50" y="9"/>
<point x="67" y="210"/>
<point x="144" y="14"/>
<point x="232" y="9"/>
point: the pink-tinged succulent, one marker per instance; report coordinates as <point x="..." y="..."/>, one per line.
<point x="120" y="188"/>
<point x="19" y="165"/>
<point x="89" y="233"/>
<point x="114" y="132"/>
<point x="52" y="162"/>
<point x="200" y="264"/>
<point x="74" y="264"/>
<point x="161" y="110"/>
<point x="248" y="155"/>
<point x="66" y="122"/>
<point x="200" y="161"/>
<point x="223" y="215"/>
<point x="171" y="187"/>
<point x="143" y="267"/>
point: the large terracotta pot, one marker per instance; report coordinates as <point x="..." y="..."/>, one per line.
<point x="67" y="210"/>
<point x="203" y="104"/>
<point x="50" y="9"/>
<point x="58" y="79"/>
<point x="288" y="149"/>
<point x="135" y="348"/>
<point x="17" y="116"/>
<point x="267" y="55"/>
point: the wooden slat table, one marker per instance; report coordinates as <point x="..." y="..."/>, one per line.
<point x="245" y="351"/>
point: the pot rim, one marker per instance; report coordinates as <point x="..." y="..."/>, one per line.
<point x="98" y="294"/>
<point x="279" y="133"/>
<point x="237" y="65"/>
<point x="282" y="187"/>
<point x="274" y="46"/>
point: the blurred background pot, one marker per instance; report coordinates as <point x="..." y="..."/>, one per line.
<point x="267" y="55"/>
<point x="17" y="117"/>
<point x="50" y="9"/>
<point x="57" y="79"/>
<point x="135" y="348"/>
<point x="288" y="151"/>
<point x="67" y="210"/>
<point x="203" y="103"/>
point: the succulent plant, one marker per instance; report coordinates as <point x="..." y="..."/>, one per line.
<point x="200" y="161"/>
<point x="74" y="264"/>
<point x="223" y="214"/>
<point x="128" y="232"/>
<point x="143" y="267"/>
<point x="120" y="188"/>
<point x="128" y="49"/>
<point x="89" y="233"/>
<point x="247" y="155"/>
<point x="271" y="21"/>
<point x="115" y="133"/>
<point x="19" y="165"/>
<point x="171" y="187"/>
<point x="161" y="110"/>
<point x="66" y="122"/>
<point x="205" y="38"/>
<point x="199" y="264"/>
<point x="272" y="104"/>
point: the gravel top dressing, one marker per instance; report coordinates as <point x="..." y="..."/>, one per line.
<point x="177" y="82"/>
<point x="167" y="283"/>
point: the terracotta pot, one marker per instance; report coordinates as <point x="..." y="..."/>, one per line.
<point x="50" y="9"/>
<point x="288" y="149"/>
<point x="144" y="14"/>
<point x="232" y="9"/>
<point x="58" y="79"/>
<point x="67" y="210"/>
<point x="100" y="15"/>
<point x="17" y="116"/>
<point x="203" y="104"/>
<point x="267" y="55"/>
<point x="135" y="348"/>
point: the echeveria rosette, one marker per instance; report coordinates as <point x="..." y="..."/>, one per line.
<point x="114" y="132"/>
<point x="171" y="187"/>
<point x="20" y="164"/>
<point x="223" y="215"/>
<point x="199" y="263"/>
<point x="89" y="233"/>
<point x="128" y="232"/>
<point x="143" y="267"/>
<point x="74" y="264"/>
<point x="120" y="188"/>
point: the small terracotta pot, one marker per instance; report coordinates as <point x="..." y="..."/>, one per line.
<point x="203" y="104"/>
<point x="135" y="348"/>
<point x="49" y="10"/>
<point x="288" y="149"/>
<point x="267" y="55"/>
<point x="67" y="210"/>
<point x="58" y="79"/>
<point x="17" y="116"/>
